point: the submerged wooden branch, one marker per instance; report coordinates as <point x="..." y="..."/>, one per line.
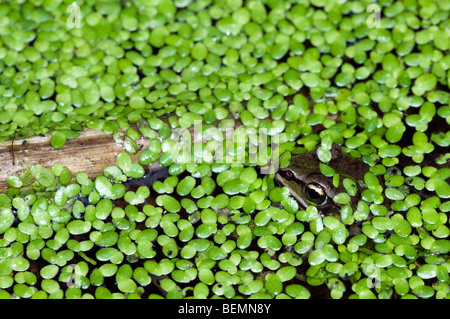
<point x="90" y="152"/>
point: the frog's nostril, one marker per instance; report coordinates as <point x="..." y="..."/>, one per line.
<point x="286" y="174"/>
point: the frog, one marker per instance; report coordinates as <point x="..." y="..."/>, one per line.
<point x="305" y="182"/>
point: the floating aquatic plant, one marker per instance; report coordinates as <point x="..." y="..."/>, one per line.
<point x="267" y="81"/>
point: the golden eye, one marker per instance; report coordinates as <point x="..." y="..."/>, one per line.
<point x="315" y="194"/>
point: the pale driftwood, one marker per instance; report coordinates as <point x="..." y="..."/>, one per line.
<point x="91" y="152"/>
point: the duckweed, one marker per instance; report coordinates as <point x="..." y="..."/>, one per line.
<point x="219" y="225"/>
<point x="185" y="186"/>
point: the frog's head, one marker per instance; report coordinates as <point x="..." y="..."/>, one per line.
<point x="310" y="187"/>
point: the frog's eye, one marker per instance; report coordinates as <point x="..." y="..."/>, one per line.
<point x="315" y="194"/>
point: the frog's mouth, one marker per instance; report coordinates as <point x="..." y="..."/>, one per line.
<point x="285" y="178"/>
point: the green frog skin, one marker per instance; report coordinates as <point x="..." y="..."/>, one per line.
<point x="310" y="187"/>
